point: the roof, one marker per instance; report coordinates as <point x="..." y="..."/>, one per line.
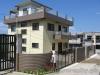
<point x="29" y="2"/>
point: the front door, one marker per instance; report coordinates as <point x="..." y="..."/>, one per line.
<point x="59" y="47"/>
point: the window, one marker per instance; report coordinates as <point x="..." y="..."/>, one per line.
<point x="65" y="45"/>
<point x="89" y="37"/>
<point x="65" y="29"/>
<point x="25" y="11"/>
<point x="13" y="28"/>
<point x="23" y="24"/>
<point x="24" y="49"/>
<point x="35" y="26"/>
<point x="50" y="27"/>
<point x="35" y="45"/>
<point x="98" y="39"/>
<point x="24" y="41"/>
<point x="97" y="46"/>
<point x="23" y="31"/>
<point x="53" y="46"/>
<point x="59" y="28"/>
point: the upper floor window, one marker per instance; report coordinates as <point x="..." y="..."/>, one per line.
<point x="35" y="45"/>
<point x="51" y="27"/>
<point x="25" y="11"/>
<point x="89" y="37"/>
<point x="23" y="24"/>
<point x="23" y="31"/>
<point x="65" y="29"/>
<point x="35" y="26"/>
<point x="13" y="28"/>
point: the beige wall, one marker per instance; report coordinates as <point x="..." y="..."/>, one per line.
<point x="41" y="36"/>
<point x="48" y="38"/>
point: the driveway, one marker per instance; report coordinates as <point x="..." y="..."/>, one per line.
<point x="90" y="66"/>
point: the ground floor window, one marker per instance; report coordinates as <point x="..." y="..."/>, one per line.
<point x="24" y="49"/>
<point x="35" y="45"/>
<point x="24" y="41"/>
<point x="97" y="46"/>
<point x="65" y="45"/>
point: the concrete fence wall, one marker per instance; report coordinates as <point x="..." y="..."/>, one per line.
<point x="34" y="61"/>
<point x="79" y="54"/>
<point x="82" y="53"/>
<point x="31" y="61"/>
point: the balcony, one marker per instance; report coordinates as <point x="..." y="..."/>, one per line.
<point x="62" y="35"/>
<point x="38" y="15"/>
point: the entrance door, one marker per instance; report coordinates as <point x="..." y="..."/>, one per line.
<point x="60" y="48"/>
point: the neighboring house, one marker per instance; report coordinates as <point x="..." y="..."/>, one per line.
<point x="41" y="30"/>
<point x="76" y="40"/>
<point x="93" y="38"/>
<point x="85" y="39"/>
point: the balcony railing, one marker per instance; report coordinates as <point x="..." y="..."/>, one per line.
<point x="50" y="12"/>
<point x="60" y="35"/>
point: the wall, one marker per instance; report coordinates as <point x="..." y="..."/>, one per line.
<point x="35" y="36"/>
<point x="41" y="36"/>
<point x="81" y="53"/>
<point x="32" y="61"/>
<point x="48" y="37"/>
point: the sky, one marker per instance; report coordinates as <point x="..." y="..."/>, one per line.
<point x="86" y="13"/>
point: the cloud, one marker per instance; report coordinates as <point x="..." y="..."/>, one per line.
<point x="3" y="28"/>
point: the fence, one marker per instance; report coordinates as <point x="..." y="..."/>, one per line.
<point x="32" y="61"/>
<point x="65" y="58"/>
<point x="82" y="53"/>
<point x="7" y="52"/>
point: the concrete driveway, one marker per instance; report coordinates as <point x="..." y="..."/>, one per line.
<point x="90" y="66"/>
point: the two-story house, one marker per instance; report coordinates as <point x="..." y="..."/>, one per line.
<point x="41" y="30"/>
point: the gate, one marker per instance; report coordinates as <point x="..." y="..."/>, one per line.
<point x="7" y="52"/>
<point x="65" y="58"/>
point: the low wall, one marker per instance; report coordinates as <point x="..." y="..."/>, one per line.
<point x="31" y="61"/>
<point x="82" y="53"/>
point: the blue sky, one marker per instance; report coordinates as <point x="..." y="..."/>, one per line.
<point x="86" y="13"/>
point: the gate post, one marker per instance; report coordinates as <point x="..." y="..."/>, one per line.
<point x="17" y="61"/>
<point x="18" y="49"/>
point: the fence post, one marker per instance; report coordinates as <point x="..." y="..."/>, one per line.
<point x="85" y="52"/>
<point x="17" y="61"/>
<point x="76" y="54"/>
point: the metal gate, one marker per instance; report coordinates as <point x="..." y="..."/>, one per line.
<point x="65" y="58"/>
<point x="7" y="52"/>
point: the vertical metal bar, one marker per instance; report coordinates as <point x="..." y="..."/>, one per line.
<point x="14" y="52"/>
<point x="65" y="57"/>
<point x="10" y="51"/>
<point x="7" y="48"/>
<point x="4" y="54"/>
<point x="3" y="50"/>
<point x="0" y="52"/>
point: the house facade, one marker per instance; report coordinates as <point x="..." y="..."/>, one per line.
<point x="93" y="38"/>
<point x="41" y="30"/>
<point x="86" y="39"/>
